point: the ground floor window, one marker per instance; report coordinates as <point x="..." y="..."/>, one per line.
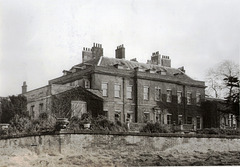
<point x="189" y="120"/>
<point x="169" y="119"/>
<point x="158" y="117"/>
<point x="129" y="117"/>
<point x="198" y="123"/>
<point x="146" y="117"/>
<point x="105" y="113"/>
<point x="180" y="120"/>
<point x="117" y="116"/>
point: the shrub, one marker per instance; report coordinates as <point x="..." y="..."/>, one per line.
<point x="155" y="128"/>
<point x="75" y="123"/>
<point x="218" y="131"/>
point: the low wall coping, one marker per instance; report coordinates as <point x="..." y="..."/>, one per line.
<point x="88" y="132"/>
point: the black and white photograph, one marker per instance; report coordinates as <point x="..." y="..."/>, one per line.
<point x="100" y="83"/>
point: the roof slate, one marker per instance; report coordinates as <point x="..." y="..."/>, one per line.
<point x="131" y="65"/>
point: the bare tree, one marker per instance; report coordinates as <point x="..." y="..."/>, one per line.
<point x="216" y="79"/>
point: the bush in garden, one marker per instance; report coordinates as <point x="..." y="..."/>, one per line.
<point x="75" y="123"/>
<point x="101" y="123"/>
<point x="218" y="131"/>
<point x="156" y="128"/>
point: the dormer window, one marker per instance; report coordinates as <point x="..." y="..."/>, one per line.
<point x="118" y="66"/>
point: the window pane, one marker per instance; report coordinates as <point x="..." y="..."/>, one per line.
<point x="169" y="118"/>
<point x="198" y="98"/>
<point x="129" y="92"/>
<point x="116" y="90"/>
<point x="104" y="89"/>
<point x="117" y="116"/>
<point x="189" y="98"/>
<point x="146" y="117"/>
<point x="189" y="120"/>
<point x="158" y="94"/>
<point x="198" y="123"/>
<point x="169" y="96"/>
<point x="179" y="119"/>
<point x="145" y="93"/>
<point x="179" y="97"/>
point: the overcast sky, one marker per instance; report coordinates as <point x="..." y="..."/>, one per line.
<point x="39" y="39"/>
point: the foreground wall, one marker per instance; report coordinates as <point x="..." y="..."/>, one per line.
<point x="82" y="143"/>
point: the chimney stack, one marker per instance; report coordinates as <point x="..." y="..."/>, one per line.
<point x="24" y="87"/>
<point x="120" y="52"/>
<point x="95" y="52"/>
<point x="156" y="58"/>
<point x="166" y="61"/>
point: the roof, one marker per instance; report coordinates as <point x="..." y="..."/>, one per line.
<point x="95" y="92"/>
<point x="171" y="73"/>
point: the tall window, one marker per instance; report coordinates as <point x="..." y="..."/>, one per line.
<point x="158" y="117"/>
<point x="169" y="119"/>
<point x="158" y="94"/>
<point x="180" y="120"/>
<point x="129" y="92"/>
<point x="198" y="98"/>
<point x="169" y="95"/>
<point x="104" y="89"/>
<point x="198" y="123"/>
<point x="179" y="97"/>
<point x="145" y="92"/>
<point x="40" y="107"/>
<point x="117" y="88"/>
<point x="189" y="98"/>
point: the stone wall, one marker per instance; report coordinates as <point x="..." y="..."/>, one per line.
<point x="76" y="143"/>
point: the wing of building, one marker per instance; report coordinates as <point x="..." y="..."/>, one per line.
<point x="126" y="90"/>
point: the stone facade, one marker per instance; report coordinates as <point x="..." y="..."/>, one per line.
<point x="132" y="91"/>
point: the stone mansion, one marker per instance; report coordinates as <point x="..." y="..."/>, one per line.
<point x="124" y="90"/>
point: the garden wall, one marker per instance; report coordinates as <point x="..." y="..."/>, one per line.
<point x="80" y="143"/>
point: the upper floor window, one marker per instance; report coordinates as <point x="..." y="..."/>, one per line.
<point x="129" y="92"/>
<point x="158" y="94"/>
<point x="179" y="97"/>
<point x="87" y="84"/>
<point x="117" y="88"/>
<point x="145" y="92"/>
<point x="105" y="89"/>
<point x="198" y="98"/>
<point x="189" y="98"/>
<point x="169" y="95"/>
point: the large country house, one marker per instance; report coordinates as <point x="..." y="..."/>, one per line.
<point x="123" y="90"/>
